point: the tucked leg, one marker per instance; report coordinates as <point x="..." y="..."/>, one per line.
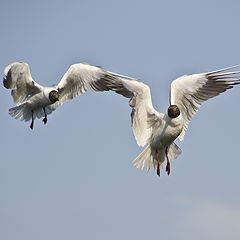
<point x="31" y="125"/>
<point x="168" y="162"/>
<point x="45" y="116"/>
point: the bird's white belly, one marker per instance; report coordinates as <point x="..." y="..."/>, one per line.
<point x="164" y="135"/>
<point x="38" y="101"/>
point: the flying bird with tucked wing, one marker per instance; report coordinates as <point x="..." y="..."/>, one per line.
<point x="159" y="130"/>
<point x="33" y="100"/>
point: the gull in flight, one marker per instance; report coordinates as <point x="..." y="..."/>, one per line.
<point x="159" y="130"/>
<point x="33" y="100"/>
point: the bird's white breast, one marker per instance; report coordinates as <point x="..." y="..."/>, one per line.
<point x="41" y="99"/>
<point x="167" y="131"/>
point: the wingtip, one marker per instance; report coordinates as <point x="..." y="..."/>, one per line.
<point x="7" y="76"/>
<point x="6" y="69"/>
<point x="223" y="69"/>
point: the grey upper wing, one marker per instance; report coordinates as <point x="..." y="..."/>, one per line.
<point x="17" y="77"/>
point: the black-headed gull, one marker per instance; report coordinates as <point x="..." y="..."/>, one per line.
<point x="159" y="130"/>
<point x="34" y="100"/>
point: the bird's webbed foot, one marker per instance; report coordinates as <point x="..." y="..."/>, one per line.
<point x="168" y="162"/>
<point x="31" y="125"/>
<point x="45" y="116"/>
<point x="158" y="164"/>
<point x="168" y="168"/>
<point x="45" y="120"/>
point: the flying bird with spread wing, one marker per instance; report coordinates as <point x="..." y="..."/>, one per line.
<point x="34" y="100"/>
<point x="159" y="130"/>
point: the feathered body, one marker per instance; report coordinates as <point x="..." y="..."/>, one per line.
<point x="161" y="142"/>
<point x="164" y="132"/>
<point x="35" y="105"/>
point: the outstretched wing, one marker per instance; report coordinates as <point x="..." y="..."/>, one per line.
<point x="82" y="77"/>
<point x="143" y="115"/>
<point x="17" y="77"/>
<point x="189" y="92"/>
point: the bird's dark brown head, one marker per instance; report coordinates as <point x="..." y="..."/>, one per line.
<point x="173" y="111"/>
<point x="54" y="96"/>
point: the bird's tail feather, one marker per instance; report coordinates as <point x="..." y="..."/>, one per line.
<point x="141" y="160"/>
<point x="149" y="156"/>
<point x="21" y="112"/>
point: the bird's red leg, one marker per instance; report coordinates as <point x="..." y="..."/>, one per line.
<point x="31" y="125"/>
<point x="168" y="162"/>
<point x="158" y="165"/>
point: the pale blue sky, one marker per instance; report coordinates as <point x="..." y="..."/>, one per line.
<point x="73" y="178"/>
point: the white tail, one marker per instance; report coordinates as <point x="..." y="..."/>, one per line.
<point x="149" y="155"/>
<point x="142" y="158"/>
<point x="21" y="112"/>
